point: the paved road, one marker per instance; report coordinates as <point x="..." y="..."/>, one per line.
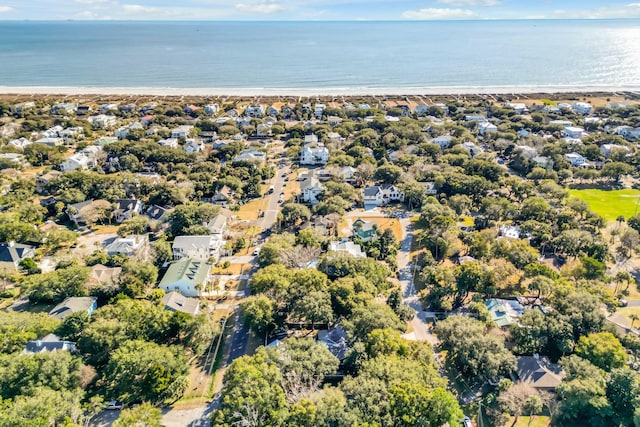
<point x="406" y="275"/>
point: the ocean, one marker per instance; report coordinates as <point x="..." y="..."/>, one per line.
<point x="563" y="53"/>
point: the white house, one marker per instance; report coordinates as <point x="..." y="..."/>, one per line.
<point x="314" y="154"/>
<point x="519" y="107"/>
<point x="181" y="131"/>
<point x="485" y="127"/>
<point x="188" y="276"/>
<point x="64" y="108"/>
<point x="348" y="247"/>
<point x="576" y="159"/>
<point x="510" y="231"/>
<point x="102" y="121"/>
<point x="77" y="161"/>
<point x="169" y="142"/>
<point x="334" y="120"/>
<point x="52" y="132"/>
<point x="475" y="118"/>
<point x="211" y="109"/>
<point x="319" y="110"/>
<point x="193" y="145"/>
<point x="198" y="247"/>
<point x="254" y="110"/>
<point x="574" y="132"/>
<point x="381" y="195"/>
<point x="130" y="246"/>
<point x="20" y="143"/>
<point x="472" y="148"/>
<point x="443" y="141"/>
<point x="311" y="189"/>
<point x="71" y="134"/>
<point x="583" y="108"/>
<point x="251" y="156"/>
<point x="608" y="149"/>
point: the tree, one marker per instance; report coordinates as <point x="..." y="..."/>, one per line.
<point x="42" y="406"/>
<point x="145" y="371"/>
<point x="478" y="357"/>
<point x="602" y="349"/>
<point x="374" y="316"/>
<point x="135" y="225"/>
<point x="314" y="307"/>
<point x="623" y="392"/>
<point x="252" y="394"/>
<point x="614" y="170"/>
<point x="73" y="326"/>
<point x="144" y="415"/>
<point x="389" y="173"/>
<point x="294" y="213"/>
<point x="259" y="313"/>
<point x="16" y="328"/>
<point x="55" y="286"/>
<point x="520" y="399"/>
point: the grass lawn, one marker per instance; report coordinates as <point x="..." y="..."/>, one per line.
<point x="249" y="211"/>
<point x="537" y="421"/>
<point x="610" y="203"/>
<point x="344" y="228"/>
<point x="467" y="221"/>
<point x="627" y="312"/>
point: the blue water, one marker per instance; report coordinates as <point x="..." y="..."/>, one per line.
<point x="320" y="54"/>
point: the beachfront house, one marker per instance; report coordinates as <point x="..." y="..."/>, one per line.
<point x="518" y="107"/>
<point x="254" y="111"/>
<point x="63" y="108"/>
<point x="318" y="110"/>
<point x="583" y="108"/>
<point x="188" y="276"/>
<point x="211" y="109"/>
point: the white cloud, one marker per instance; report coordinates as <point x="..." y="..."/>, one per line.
<point x="471" y="3"/>
<point x="6" y="9"/>
<point x="263" y="7"/>
<point x="630" y="10"/>
<point x="90" y="16"/>
<point x="137" y="8"/>
<point x="432" y="13"/>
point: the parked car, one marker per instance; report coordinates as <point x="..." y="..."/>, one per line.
<point x="114" y="405"/>
<point x="467" y="422"/>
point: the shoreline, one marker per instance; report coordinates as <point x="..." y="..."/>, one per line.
<point x="310" y="92"/>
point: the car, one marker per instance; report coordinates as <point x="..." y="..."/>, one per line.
<point x="466" y="422"/>
<point x="284" y="174"/>
<point x="261" y="215"/>
<point x="114" y="405"/>
<point x="256" y="252"/>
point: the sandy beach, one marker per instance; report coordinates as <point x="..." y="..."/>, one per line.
<point x="311" y="92"/>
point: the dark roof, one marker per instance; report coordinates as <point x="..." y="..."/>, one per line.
<point x="156" y="212"/>
<point x="14" y="252"/>
<point x="371" y="191"/>
<point x="126" y="204"/>
<point x="539" y="372"/>
<point x="72" y="305"/>
<point x="336" y="340"/>
<point x="177" y="302"/>
<point x="49" y="343"/>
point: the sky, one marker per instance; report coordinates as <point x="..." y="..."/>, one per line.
<point x="274" y="10"/>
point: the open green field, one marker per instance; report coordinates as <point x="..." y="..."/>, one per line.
<point x="610" y="203"/>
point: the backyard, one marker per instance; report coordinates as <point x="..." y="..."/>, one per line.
<point x="610" y="204"/>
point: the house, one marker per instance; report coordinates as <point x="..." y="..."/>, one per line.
<point x="127" y="208"/>
<point x="43" y="180"/>
<point x="193" y="146"/>
<point x="251" y="156"/>
<point x="472" y="148"/>
<point x="105" y="140"/>
<point x="82" y="160"/>
<point x="311" y="189"/>
<point x="188" y="276"/>
<point x="526" y="151"/>
<point x="223" y="196"/>
<point x="52" y="132"/>
<point x="22" y="107"/>
<point x="576" y="160"/>
<point x="101" y="275"/>
<point x="218" y="225"/>
<point x="6" y="131"/>
<point x="20" y="143"/>
<point x="102" y="121"/>
<point x="324" y="224"/>
<point x="542" y="161"/>
<point x="263" y="130"/>
<point x="254" y="111"/>
<point x="523" y="133"/>
<point x="211" y="109"/>
<point x="573" y="132"/>
<point x="443" y="141"/>
<point x="311" y="139"/>
<point x="127" y="108"/>
<point x="146" y="120"/>
<point x="348" y="247"/>
<point x="583" y="108"/>
<point x="539" y="372"/>
<point x="47" y="343"/>
<point x="365" y="230"/>
<point x="314" y="154"/>
<point x="518" y="107"/>
<point x="191" y="109"/>
<point x="64" y="108"/>
<point x="392" y="119"/>
<point x="175" y="301"/>
<point x="72" y="134"/>
<point x="273" y="111"/>
<point x="197" y="247"/>
<point x="83" y="110"/>
<point x="475" y="118"/>
<point x="51" y="142"/>
<point x="504" y="312"/>
<point x="318" y="110"/>
<point x="510" y="231"/>
<point x="169" y="142"/>
<point x="182" y="131"/>
<point x="381" y="195"/>
<point x="430" y="188"/>
<point x="627" y="132"/>
<point x="133" y="245"/>
<point x="16" y="158"/>
<point x="364" y="106"/>
<point x="72" y="305"/>
<point x="334" y="120"/>
<point x="336" y="341"/>
<point x="105" y="108"/>
<point x="348" y="173"/>
<point x="11" y="253"/>
<point x="485" y="127"/>
<point x="608" y="149"/>
<point x="156" y="213"/>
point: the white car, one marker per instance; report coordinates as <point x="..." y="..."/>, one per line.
<point x="114" y="404"/>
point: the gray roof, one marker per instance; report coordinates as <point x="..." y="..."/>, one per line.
<point x="217" y="224"/>
<point x="539" y="372"/>
<point x="175" y="301"/>
<point x="49" y="343"/>
<point x="336" y="340"/>
<point x="14" y="252"/>
<point x="72" y="305"/>
<point x="371" y="191"/>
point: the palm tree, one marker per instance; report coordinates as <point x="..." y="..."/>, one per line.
<point x="633" y="318"/>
